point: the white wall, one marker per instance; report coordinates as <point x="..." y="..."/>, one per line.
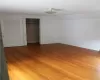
<point x="15" y="29"/>
<point x="51" y="29"/>
<point x="82" y="31"/>
<point x="77" y="30"/>
<point x="12" y="30"/>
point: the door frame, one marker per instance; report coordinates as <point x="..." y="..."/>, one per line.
<point x="2" y="30"/>
<point x="25" y="33"/>
<point x="3" y="66"/>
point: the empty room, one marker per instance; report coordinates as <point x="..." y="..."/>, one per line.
<point x="50" y="40"/>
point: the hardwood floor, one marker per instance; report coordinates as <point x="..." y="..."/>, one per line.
<point x="52" y="62"/>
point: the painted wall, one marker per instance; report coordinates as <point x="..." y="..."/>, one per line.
<point x="51" y="29"/>
<point x="78" y="30"/>
<point x="82" y="30"/>
<point x="14" y="29"/>
<point x="12" y="32"/>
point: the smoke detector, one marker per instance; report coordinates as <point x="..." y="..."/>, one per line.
<point x="52" y="11"/>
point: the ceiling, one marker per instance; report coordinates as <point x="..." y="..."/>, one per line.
<point x="40" y="6"/>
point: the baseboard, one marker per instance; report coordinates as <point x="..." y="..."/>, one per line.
<point x="14" y="45"/>
<point x="80" y="47"/>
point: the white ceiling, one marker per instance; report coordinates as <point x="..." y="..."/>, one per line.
<point x="40" y="6"/>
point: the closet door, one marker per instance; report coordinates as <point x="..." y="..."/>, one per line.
<point x="3" y="66"/>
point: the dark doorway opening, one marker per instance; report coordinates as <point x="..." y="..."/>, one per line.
<point x="32" y="30"/>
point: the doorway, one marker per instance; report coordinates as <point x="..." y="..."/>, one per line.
<point x="32" y="30"/>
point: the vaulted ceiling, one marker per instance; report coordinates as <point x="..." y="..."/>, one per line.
<point x="40" y="6"/>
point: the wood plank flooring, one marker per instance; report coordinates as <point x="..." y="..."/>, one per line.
<point x="52" y="62"/>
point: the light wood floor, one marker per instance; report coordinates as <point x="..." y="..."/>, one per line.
<point x="52" y="62"/>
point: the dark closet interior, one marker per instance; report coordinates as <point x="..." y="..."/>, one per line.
<point x="32" y="30"/>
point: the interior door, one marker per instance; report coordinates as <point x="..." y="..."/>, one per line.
<point x="3" y="66"/>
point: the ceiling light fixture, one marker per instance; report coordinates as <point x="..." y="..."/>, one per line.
<point x="52" y="11"/>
